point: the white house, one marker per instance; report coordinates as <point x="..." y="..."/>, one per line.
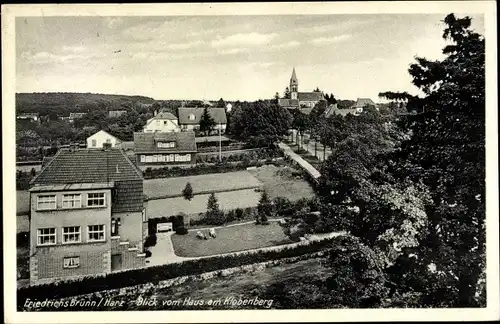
<point x="163" y="122"/>
<point x="98" y="139"/>
<point x="189" y="118"/>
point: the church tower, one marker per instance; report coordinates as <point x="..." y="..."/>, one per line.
<point x="294" y="86"/>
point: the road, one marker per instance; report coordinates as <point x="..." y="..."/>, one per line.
<point x="310" y="147"/>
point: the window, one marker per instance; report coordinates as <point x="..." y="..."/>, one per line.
<point x="96" y="233"/>
<point x="72" y="201"/>
<point x="46" y="236"/>
<point x="94" y="143"/>
<point x="143" y="158"/>
<point x="192" y="117"/>
<point x="115" y="225"/>
<point x="71" y="262"/>
<point x="46" y="202"/>
<point x="71" y="234"/>
<point x="165" y="122"/>
<point x="96" y="199"/>
<point x="149" y="159"/>
<point x="166" y="144"/>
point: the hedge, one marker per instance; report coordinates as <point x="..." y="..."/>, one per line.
<point x="169" y="172"/>
<point x="156" y="274"/>
<point x="246" y="157"/>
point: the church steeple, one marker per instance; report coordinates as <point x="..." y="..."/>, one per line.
<point x="294" y="85"/>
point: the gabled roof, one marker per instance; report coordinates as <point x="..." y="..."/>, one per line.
<point x="361" y="102"/>
<point x="165" y="115"/>
<point x="87" y="166"/>
<point x="106" y="133"/>
<point x="310" y="96"/>
<point x="333" y="110"/>
<point x="147" y="142"/>
<point x="218" y="114"/>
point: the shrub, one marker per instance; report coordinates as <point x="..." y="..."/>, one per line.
<point x="148" y="253"/>
<point x="150" y="240"/>
<point x="239" y="213"/>
<point x="181" y="230"/>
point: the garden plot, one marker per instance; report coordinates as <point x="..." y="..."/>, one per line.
<point x="217" y="182"/>
<point x="230" y="239"/>
<point x="283" y="182"/>
<point x="227" y="200"/>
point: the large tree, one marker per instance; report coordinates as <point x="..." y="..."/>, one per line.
<point x="207" y="123"/>
<point x="260" y="122"/>
<point x="446" y="152"/>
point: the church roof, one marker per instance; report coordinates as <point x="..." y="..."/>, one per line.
<point x="294" y="76"/>
<point x="310" y="96"/>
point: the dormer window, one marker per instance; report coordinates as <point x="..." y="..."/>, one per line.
<point x="166" y="144"/>
<point x="192" y="117"/>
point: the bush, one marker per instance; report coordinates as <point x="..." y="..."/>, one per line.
<point x="148" y="253"/>
<point x="181" y="230"/>
<point x="155" y="274"/>
<point x="150" y="240"/>
<point x="239" y="213"/>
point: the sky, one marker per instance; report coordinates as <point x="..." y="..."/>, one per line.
<point x="230" y="57"/>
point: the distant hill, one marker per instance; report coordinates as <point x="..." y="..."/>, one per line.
<point x="62" y="103"/>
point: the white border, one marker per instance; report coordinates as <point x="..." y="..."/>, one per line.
<point x="488" y="8"/>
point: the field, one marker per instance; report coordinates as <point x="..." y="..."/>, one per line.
<point x="283" y="182"/>
<point x="230" y="239"/>
<point x="201" y="183"/>
<point x="227" y="200"/>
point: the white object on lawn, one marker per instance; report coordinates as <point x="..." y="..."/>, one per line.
<point x="164" y="227"/>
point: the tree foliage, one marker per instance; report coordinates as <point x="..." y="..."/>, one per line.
<point x="187" y="192"/>
<point x="260" y="122"/>
<point x="214" y="215"/>
<point x="207" y="123"/>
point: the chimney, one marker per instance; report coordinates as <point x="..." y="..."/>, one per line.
<point x="117" y="170"/>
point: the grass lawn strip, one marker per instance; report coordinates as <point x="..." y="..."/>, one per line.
<point x="230" y="239"/>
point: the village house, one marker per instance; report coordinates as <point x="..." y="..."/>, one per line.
<point x="362" y="103"/>
<point x="189" y="118"/>
<point x="162" y="122"/>
<point x="30" y="117"/>
<point x="87" y="215"/>
<point x="116" y="113"/>
<point x="98" y="140"/>
<point x="157" y="149"/>
<point x="72" y="116"/>
<point x="300" y="99"/>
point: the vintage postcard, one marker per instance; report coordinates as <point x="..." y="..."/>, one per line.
<point x="229" y="162"/>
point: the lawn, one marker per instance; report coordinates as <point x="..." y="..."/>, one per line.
<point x="227" y="200"/>
<point x="230" y="239"/>
<point x="283" y="182"/>
<point x="201" y="183"/>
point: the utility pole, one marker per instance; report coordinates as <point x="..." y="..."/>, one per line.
<point x="220" y="142"/>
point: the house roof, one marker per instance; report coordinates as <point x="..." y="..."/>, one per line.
<point x="116" y="113"/>
<point x="147" y="142"/>
<point x="77" y="115"/>
<point x="106" y="133"/>
<point x="87" y="166"/>
<point x="165" y="115"/>
<point x="218" y="114"/>
<point x="215" y="138"/>
<point x="333" y="109"/>
<point x="310" y="96"/>
<point x="361" y="102"/>
<point x="288" y="102"/>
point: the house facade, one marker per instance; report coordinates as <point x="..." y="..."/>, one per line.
<point x="162" y="122"/>
<point x="87" y="215"/>
<point x="300" y="99"/>
<point x="157" y="149"/>
<point x="189" y="118"/>
<point x="98" y="140"/>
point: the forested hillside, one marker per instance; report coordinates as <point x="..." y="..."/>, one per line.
<point x="62" y="103"/>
